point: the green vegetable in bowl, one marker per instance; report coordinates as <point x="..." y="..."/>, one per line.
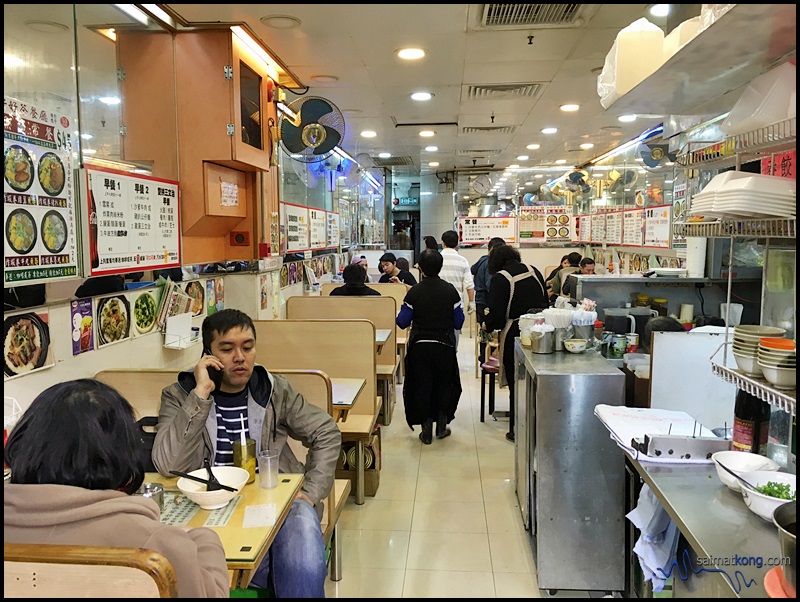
<point x="779" y="490"/>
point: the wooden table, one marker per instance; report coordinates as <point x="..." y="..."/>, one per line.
<point x="245" y="547"/>
<point x="381" y="336"/>
<point x="345" y="392"/>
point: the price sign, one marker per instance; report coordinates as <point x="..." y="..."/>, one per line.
<point x="479" y="230"/>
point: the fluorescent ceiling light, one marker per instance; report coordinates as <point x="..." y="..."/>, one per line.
<point x="627" y="118"/>
<point x="87" y="136"/>
<point x="659" y="10"/>
<point x="539" y="175"/>
<point x="259" y="50"/>
<point x="533" y="147"/>
<point x="433" y="164"/>
<point x="427" y="133"/>
<point x="384" y="155"/>
<point x="431" y="149"/>
<point x="549" y="130"/>
<point x="159" y="14"/>
<point x="626" y="145"/>
<point x="134" y="12"/>
<point x="560" y="161"/>
<point x="421" y="96"/>
<point x="569" y="108"/>
<point x="523" y="158"/>
<point x="368" y="134"/>
<point x="587" y="145"/>
<point x="411" y="54"/>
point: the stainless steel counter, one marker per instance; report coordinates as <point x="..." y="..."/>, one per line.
<point x="570" y="476"/>
<point x="716" y="524"/>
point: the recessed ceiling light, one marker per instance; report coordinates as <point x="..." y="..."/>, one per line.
<point x="87" y="136"/>
<point x="560" y="161"/>
<point x="411" y="54"/>
<point x="368" y="134"/>
<point x="587" y="145"/>
<point x="384" y="155"/>
<point x="539" y="175"/>
<point x="506" y="174"/>
<point x="47" y="26"/>
<point x="513" y="166"/>
<point x="281" y="21"/>
<point x="325" y="79"/>
<point x="528" y="183"/>
<point x="421" y="96"/>
<point x="533" y="147"/>
<point x="502" y="179"/>
<point x="549" y="130"/>
<point x="523" y="158"/>
<point x="426" y="193"/>
<point x="427" y="133"/>
<point x="431" y="149"/>
<point x="627" y="118"/>
<point x="433" y="164"/>
<point x="569" y="108"/>
<point x="659" y="10"/>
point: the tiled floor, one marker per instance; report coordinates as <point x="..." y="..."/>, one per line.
<point x="445" y="521"/>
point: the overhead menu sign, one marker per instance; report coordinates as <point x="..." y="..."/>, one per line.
<point x="333" y="229"/>
<point x="296" y="221"/>
<point x="317" y="224"/>
<point x="598" y="227"/>
<point x="657" y="226"/>
<point x="585" y="228"/>
<point x="632" y="227"/>
<point x="479" y="230"/>
<point x="39" y="212"/>
<point x="134" y="222"/>
<point x="614" y="228"/>
<point x="545" y="224"/>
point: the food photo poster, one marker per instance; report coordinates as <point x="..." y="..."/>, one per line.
<point x="82" y="326"/>
<point x="197" y="292"/>
<point x="211" y="297"/>
<point x="145" y="311"/>
<point x="27" y="343"/>
<point x="113" y="319"/>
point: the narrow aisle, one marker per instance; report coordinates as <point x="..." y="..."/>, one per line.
<point x="445" y="521"/>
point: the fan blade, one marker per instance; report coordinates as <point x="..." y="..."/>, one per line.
<point x="332" y="138"/>
<point x="312" y="110"/>
<point x="291" y="137"/>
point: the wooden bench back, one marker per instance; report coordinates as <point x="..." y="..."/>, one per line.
<point x="61" y="571"/>
<point x="142" y="388"/>
<point x="381" y="311"/>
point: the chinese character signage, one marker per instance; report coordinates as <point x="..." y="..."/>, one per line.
<point x="333" y="230"/>
<point x="657" y="226"/>
<point x="545" y="224"/>
<point x="614" y="228"/>
<point x="585" y="228"/>
<point x="318" y="228"/>
<point x="38" y="194"/>
<point x="633" y="227"/>
<point x="598" y="227"/>
<point x="134" y="222"/>
<point x="479" y="230"/>
<point x="784" y="166"/>
<point x="296" y="222"/>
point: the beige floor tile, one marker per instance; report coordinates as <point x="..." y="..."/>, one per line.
<point x="516" y="585"/>
<point x="502" y="517"/>
<point x="374" y="549"/>
<point x="460" y="443"/>
<point x="468" y="552"/>
<point x="393" y="487"/>
<point x="436" y="465"/>
<point x="511" y="553"/>
<point x="496" y="489"/>
<point x="448" y="584"/>
<point x="449" y="517"/>
<point x="367" y="583"/>
<point x="375" y="514"/>
<point x="449" y="489"/>
<point x="497" y="464"/>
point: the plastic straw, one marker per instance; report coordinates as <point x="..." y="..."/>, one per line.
<point x="244" y="439"/>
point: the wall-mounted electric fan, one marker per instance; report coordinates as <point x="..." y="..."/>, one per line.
<point x="310" y="129"/>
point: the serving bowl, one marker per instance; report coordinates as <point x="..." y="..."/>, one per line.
<point x="232" y="476"/>
<point x="781" y="378"/>
<point x="760" y="503"/>
<point x="747" y="364"/>
<point x="777" y="344"/>
<point x="576" y="345"/>
<point x="739" y="462"/>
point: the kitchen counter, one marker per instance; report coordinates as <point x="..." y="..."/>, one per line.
<point x="716" y="524"/>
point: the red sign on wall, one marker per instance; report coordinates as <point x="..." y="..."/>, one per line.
<point x="783" y="167"/>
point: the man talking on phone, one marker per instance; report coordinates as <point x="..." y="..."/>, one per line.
<point x="200" y="418"/>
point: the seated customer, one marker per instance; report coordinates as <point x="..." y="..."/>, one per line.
<point x="74" y="458"/>
<point x="402" y="264"/>
<point x="586" y="267"/>
<point x="199" y="418"/>
<point x="391" y="273"/>
<point x="354" y="284"/>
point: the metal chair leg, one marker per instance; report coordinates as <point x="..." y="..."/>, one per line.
<point x="336" y="556"/>
<point x="483" y="393"/>
<point x="491" y="394"/>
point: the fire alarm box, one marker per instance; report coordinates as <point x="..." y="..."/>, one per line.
<point x="240" y="239"/>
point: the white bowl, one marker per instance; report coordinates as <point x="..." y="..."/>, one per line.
<point x="576" y="345"/>
<point x="748" y="364"/>
<point x="739" y="462"/>
<point x="232" y="476"/>
<point x="781" y="378"/>
<point x="760" y="503"/>
<point x="757" y="331"/>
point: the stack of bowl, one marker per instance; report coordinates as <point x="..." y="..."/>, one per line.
<point x="777" y="359"/>
<point x="746" y="339"/>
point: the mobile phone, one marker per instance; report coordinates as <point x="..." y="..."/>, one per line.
<point x="215" y="374"/>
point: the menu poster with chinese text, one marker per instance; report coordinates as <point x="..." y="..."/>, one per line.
<point x="297" y="235"/>
<point x="657" y="226"/>
<point x="40" y="242"/>
<point x="317" y="229"/>
<point x="479" y="230"/>
<point x="679" y="212"/>
<point x="545" y="224"/>
<point x="598" y="227"/>
<point x="113" y="319"/>
<point x="585" y="228"/>
<point x="333" y="229"/>
<point x="134" y="222"/>
<point x="614" y="228"/>
<point x="82" y="326"/>
<point x="633" y="228"/>
<point x="28" y="346"/>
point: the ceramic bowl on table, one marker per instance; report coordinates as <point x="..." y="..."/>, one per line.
<point x="232" y="476"/>
<point x="760" y="503"/>
<point x="739" y="462"/>
<point x="576" y="345"/>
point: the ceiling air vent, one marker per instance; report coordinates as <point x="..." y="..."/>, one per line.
<point x="527" y="15"/>
<point x="391" y="161"/>
<point x="489" y="129"/>
<point x="478" y="152"/>
<point x="502" y="91"/>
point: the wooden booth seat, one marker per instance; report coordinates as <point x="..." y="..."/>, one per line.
<point x="61" y="571"/>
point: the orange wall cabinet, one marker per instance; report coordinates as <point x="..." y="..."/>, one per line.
<point x="216" y="129"/>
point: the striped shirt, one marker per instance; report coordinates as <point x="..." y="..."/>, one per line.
<point x="230" y="407"/>
<point x="456" y="270"/>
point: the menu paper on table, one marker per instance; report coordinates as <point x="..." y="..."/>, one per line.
<point x="40" y="242"/>
<point x="479" y="230"/>
<point x="134" y="221"/>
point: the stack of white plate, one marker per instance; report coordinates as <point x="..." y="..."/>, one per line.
<point x="778" y="363"/>
<point x="746" y="340"/>
<point x="741" y="194"/>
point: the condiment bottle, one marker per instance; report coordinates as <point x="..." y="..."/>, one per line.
<point x="642" y="301"/>
<point x="660" y="305"/>
<point x="750" y="423"/>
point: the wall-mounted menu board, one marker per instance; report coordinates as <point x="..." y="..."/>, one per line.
<point x="658" y="226"/>
<point x="296" y="221"/>
<point x="614" y="228"/>
<point x="134" y="221"/>
<point x="40" y="242"/>
<point x="333" y="229"/>
<point x="585" y="228"/>
<point x="679" y="212"/>
<point x="598" y="227"/>
<point x="317" y="225"/>
<point x="545" y="224"/>
<point x="632" y="228"/>
<point x="479" y="230"/>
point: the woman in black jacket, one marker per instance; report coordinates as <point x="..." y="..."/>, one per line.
<point x="354" y="276"/>
<point x="515" y="289"/>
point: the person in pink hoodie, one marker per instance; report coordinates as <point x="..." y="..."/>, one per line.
<point x="75" y="460"/>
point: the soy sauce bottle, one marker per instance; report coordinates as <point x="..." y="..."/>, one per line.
<point x="750" y="423"/>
